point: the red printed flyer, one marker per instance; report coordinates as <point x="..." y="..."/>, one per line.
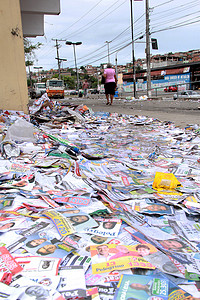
<point x="8" y="263"/>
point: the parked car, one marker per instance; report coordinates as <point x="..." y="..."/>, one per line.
<point x="37" y="90"/>
<point x="170" y="89"/>
<point x="187" y="95"/>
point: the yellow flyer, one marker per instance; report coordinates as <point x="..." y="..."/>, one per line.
<point x="62" y="225"/>
<point x="110" y="257"/>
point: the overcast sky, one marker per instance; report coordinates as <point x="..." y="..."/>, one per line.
<point x="174" y="23"/>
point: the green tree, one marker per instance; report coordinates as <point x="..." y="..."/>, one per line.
<point x="29" y="51"/>
<point x="69" y="82"/>
<point x="55" y="75"/>
<point x="93" y="80"/>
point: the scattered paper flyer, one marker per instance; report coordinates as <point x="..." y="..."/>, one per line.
<point x="149" y="207"/>
<point x="110" y="257"/>
<point x="148" y="287"/>
<point x="106" y="228"/>
<point x="72" y="282"/>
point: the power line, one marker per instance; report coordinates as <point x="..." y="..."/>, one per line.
<point x="88" y="23"/>
<point x="156" y="27"/>
<point x="80" y="31"/>
<point x="82" y="17"/>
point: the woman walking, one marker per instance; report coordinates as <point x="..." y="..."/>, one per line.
<point x="110" y="83"/>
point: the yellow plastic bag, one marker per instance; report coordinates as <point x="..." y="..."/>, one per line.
<point x="165" y="181"/>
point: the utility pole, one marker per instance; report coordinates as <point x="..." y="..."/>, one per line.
<point x="58" y="58"/>
<point x="108" y="50"/>
<point x="133" y="54"/>
<point x="74" y="44"/>
<point x="148" y="58"/>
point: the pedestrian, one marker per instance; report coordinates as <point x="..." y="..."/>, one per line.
<point x="85" y="88"/>
<point x="110" y="83"/>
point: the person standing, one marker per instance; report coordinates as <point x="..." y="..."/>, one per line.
<point x="85" y="88"/>
<point x="110" y="83"/>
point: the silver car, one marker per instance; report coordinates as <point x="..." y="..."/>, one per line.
<point x="185" y="95"/>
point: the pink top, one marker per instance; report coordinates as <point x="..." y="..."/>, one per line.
<point x="109" y="75"/>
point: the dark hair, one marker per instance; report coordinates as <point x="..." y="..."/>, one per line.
<point x="183" y="245"/>
<point x="95" y="241"/>
<point x="12" y="224"/>
<point x="109" y="65"/>
<point x="112" y="225"/>
<point x="142" y="246"/>
<point x="28" y="244"/>
<point x="32" y="179"/>
<point x="43" y="254"/>
<point x="77" y="223"/>
<point x="46" y="264"/>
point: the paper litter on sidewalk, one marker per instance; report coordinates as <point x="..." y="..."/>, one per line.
<point x="98" y="205"/>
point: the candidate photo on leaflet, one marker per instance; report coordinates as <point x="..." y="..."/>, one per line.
<point x="79" y="219"/>
<point x="123" y="251"/>
<point x="7" y="226"/>
<point x="47" y="249"/>
<point x="38" y="292"/>
<point x="36" y="242"/>
<point x="143" y="250"/>
<point x="156" y="208"/>
<point x="102" y="255"/>
<point x="109" y="225"/>
<point x="46" y="264"/>
<point x="157" y="258"/>
<point x="143" y="287"/>
<point x="98" y="239"/>
<point x="175" y="245"/>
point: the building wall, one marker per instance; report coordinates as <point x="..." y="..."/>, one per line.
<point x="13" y="84"/>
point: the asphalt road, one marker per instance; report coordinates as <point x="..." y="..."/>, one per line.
<point x="180" y="112"/>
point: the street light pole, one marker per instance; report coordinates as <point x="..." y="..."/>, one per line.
<point x="77" y="77"/>
<point x="148" y="51"/>
<point x="74" y="47"/>
<point x="133" y="54"/>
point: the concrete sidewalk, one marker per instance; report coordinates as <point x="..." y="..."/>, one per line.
<point x="180" y="112"/>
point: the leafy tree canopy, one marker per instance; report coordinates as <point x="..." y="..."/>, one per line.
<point x="29" y="51"/>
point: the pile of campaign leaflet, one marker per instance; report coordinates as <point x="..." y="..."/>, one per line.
<point x="97" y="205"/>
